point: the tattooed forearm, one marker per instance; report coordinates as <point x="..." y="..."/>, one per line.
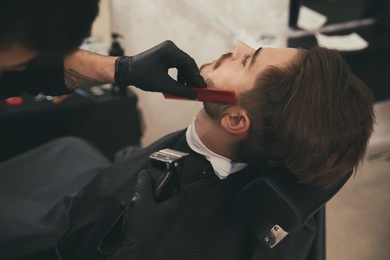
<point x="74" y="80"/>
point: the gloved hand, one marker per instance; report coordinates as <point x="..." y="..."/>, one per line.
<point x="148" y="227"/>
<point x="149" y="71"/>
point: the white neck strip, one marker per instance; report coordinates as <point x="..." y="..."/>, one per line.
<point x="222" y="166"/>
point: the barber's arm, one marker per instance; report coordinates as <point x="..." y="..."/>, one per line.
<point x="148" y="227"/>
<point x="147" y="70"/>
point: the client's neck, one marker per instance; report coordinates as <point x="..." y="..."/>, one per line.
<point x="212" y="135"/>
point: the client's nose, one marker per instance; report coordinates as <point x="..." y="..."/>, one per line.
<point x="240" y="49"/>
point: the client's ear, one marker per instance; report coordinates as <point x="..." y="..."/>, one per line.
<point x="235" y="120"/>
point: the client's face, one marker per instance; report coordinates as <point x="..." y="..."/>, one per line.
<point x="238" y="70"/>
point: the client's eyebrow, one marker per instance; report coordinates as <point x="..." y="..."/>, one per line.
<point x="254" y="57"/>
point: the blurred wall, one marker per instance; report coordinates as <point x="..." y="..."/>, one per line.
<point x="203" y="29"/>
<point x="101" y="29"/>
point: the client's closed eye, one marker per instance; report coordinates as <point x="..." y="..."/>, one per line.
<point x="244" y="60"/>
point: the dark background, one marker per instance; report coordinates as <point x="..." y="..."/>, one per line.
<point x="372" y="64"/>
<point x="110" y="122"/>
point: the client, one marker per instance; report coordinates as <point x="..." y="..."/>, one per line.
<point x="300" y="109"/>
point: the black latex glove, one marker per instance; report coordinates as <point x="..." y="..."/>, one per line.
<point x="149" y="71"/>
<point x="148" y="227"/>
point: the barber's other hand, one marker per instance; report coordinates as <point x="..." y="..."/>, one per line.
<point x="148" y="227"/>
<point x="149" y="71"/>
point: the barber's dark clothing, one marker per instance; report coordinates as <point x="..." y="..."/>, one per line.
<point x="36" y="193"/>
<point x="37" y="187"/>
<point x="209" y="228"/>
<point x="39" y="77"/>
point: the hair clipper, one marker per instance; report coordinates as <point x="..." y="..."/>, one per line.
<point x="165" y="170"/>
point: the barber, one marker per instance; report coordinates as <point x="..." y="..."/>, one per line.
<point x="39" y="53"/>
<point x="23" y="70"/>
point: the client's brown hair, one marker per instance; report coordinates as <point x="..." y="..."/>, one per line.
<point x="313" y="116"/>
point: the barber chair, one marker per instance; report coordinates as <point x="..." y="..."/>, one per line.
<point x="275" y="205"/>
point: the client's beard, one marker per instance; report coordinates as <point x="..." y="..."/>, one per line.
<point x="214" y="110"/>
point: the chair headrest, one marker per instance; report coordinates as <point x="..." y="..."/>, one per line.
<point x="275" y="204"/>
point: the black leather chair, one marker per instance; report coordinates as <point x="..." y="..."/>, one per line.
<point x="275" y="205"/>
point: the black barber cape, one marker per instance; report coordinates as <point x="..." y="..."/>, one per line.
<point x="37" y="188"/>
<point x="39" y="77"/>
<point x="209" y="228"/>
